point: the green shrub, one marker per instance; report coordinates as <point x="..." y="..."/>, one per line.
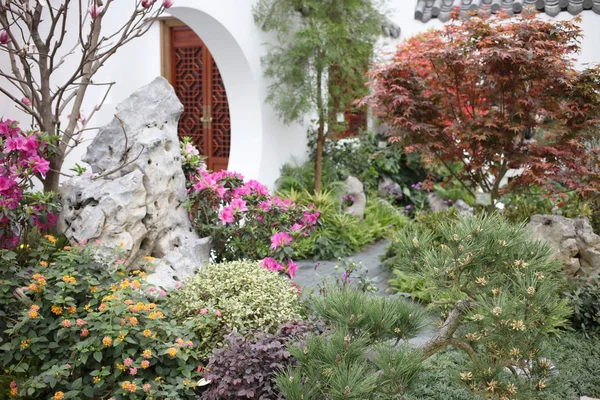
<point x="238" y="296"/>
<point x="576" y="358"/>
<point x="355" y="358"/>
<point x="339" y="234"/>
<point x="506" y="291"/>
<point x="85" y="330"/>
<point x="585" y="302"/>
<point x="520" y="207"/>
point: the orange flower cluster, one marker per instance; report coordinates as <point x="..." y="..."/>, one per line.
<point x="129" y="386"/>
<point x="69" y="279"/>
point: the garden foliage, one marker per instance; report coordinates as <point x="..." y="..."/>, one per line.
<point x="246" y="365"/>
<point x="339" y="234"/>
<point x="495" y="93"/>
<point x="355" y="358"/>
<point x="505" y="290"/>
<point x="239" y="296"/>
<point x="83" y="328"/>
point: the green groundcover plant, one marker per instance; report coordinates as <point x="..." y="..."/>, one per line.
<point x="82" y="328"/>
<point x="238" y="296"/>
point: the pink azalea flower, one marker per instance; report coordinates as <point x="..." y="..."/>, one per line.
<point x="271" y="264"/>
<point x="239" y="205"/>
<point x="292" y="268"/>
<point x="280" y="239"/>
<point x="39" y="165"/>
<point x="227" y="215"/>
<point x="241" y="191"/>
<point x="258" y="187"/>
<point x="266" y="206"/>
<point x="296" y="227"/>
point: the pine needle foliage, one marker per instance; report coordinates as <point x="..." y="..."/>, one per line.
<point x="359" y="357"/>
<point x="506" y="291"/>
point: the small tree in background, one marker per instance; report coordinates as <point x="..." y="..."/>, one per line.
<point x="323" y="48"/>
<point x="36" y="37"/>
<point x="494" y="93"/>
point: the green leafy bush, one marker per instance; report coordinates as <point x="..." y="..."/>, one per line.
<point x="339" y="234"/>
<point x="238" y="296"/>
<point x="506" y="294"/>
<point x="361" y="157"/>
<point x="585" y="302"/>
<point x="520" y="207"/>
<point x="84" y="329"/>
<point x="355" y="358"/>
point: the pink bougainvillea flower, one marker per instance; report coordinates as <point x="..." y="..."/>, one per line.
<point x="239" y="205"/>
<point x="226" y="215"/>
<point x="6" y="185"/>
<point x="280" y="239"/>
<point x="168" y="3"/>
<point x="292" y="268"/>
<point x="95" y="11"/>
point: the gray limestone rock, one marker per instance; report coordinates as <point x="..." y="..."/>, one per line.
<point x="463" y="208"/>
<point x="136" y="195"/>
<point x="355" y="188"/>
<point x="436" y="203"/>
<point x="576" y="244"/>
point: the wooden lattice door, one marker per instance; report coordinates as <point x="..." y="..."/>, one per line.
<point x="199" y="86"/>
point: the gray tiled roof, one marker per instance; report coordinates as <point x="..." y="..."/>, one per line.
<point x="427" y="9"/>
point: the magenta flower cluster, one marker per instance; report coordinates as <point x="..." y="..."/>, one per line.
<point x="245" y="221"/>
<point x="21" y="159"/>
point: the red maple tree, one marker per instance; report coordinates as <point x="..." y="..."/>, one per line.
<point x="494" y="93"/>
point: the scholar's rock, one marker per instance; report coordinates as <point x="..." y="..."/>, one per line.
<point x="576" y="244"/>
<point x="136" y="197"/>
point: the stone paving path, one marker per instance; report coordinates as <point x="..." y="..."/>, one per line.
<point x="309" y="278"/>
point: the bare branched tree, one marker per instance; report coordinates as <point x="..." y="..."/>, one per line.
<point x="34" y="34"/>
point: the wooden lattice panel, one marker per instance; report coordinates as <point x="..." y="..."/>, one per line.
<point x="221" y="124"/>
<point x="199" y="86"/>
<point x="188" y="86"/>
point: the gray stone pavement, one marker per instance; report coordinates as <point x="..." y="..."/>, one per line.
<point x="309" y="278"/>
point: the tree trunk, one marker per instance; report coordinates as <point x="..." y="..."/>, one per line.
<point x="320" y="133"/>
<point x="319" y="157"/>
<point x="52" y="179"/>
